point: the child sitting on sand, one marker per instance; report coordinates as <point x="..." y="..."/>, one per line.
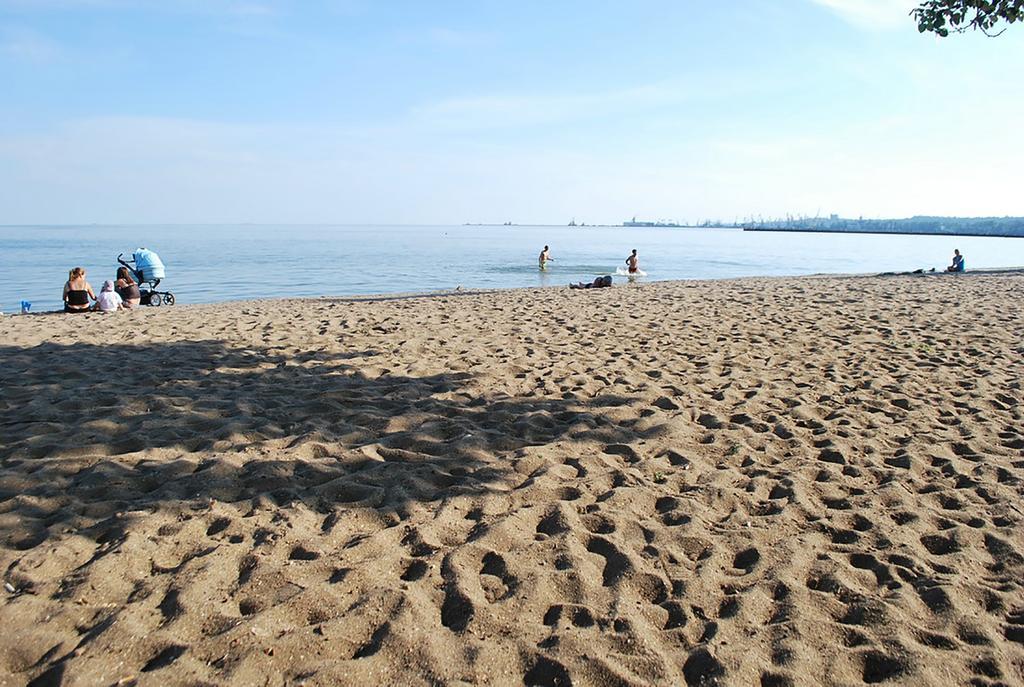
<point x="108" y="300"/>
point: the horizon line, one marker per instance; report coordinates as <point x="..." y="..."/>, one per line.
<point x="696" y="225"/>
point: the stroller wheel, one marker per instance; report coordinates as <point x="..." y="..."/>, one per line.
<point x="154" y="299"/>
<point x="169" y="298"/>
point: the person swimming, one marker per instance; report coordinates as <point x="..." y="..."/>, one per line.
<point x="543" y="258"/>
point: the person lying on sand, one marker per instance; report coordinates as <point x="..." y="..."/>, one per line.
<point x="599" y="283"/>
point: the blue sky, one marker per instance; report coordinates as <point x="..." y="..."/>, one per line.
<point x="353" y="111"/>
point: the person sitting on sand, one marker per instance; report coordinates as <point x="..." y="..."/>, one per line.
<point x="544" y="257"/>
<point x="77" y="292"/>
<point x="958" y="262"/>
<point x="108" y="300"/>
<point x="126" y="288"/>
<point x="599" y="283"/>
<point x="633" y="262"/>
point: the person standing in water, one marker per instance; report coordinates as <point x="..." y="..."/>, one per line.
<point x="633" y="262"/>
<point x="543" y="258"/>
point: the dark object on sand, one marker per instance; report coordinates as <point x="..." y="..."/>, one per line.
<point x="599" y="283"/>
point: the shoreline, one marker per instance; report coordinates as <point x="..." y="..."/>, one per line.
<point x="442" y="293"/>
<point x="755" y="480"/>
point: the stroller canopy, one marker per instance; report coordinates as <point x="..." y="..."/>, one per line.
<point x="148" y="264"/>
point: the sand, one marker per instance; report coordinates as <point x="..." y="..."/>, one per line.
<point x="753" y="482"/>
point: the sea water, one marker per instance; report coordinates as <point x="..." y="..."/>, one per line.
<point x="219" y="263"/>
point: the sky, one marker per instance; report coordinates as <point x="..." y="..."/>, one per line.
<point x="444" y="112"/>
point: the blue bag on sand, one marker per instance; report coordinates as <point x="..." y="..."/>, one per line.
<point x="25" y="307"/>
<point x="148" y="263"/>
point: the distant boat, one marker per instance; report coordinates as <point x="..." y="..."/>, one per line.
<point x="659" y="223"/>
<point x="573" y="222"/>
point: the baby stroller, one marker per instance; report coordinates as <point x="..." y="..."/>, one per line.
<point x="148" y="269"/>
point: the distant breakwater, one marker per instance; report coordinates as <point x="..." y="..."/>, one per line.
<point x="899" y="232"/>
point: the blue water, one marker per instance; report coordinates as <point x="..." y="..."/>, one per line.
<point x="217" y="263"/>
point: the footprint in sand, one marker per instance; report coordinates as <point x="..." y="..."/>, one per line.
<point x="553" y="523"/>
<point x="1014" y="628"/>
<point x="677" y="459"/>
<point x="578" y="616"/>
<point x="164" y="658"/>
<point x="881" y="667"/>
<point x="937" y="545"/>
<point x="935" y="641"/>
<point x="372" y="645"/>
<point x="301" y="553"/>
<point x="746" y="560"/>
<point x="729" y="606"/>
<point x="769" y="679"/>
<point x="498" y="584"/>
<point x="417" y="547"/>
<point x="627" y="452"/>
<point x="457" y="610"/>
<point x="702" y="668"/>
<point x="676" y="615"/>
<point x="598" y="524"/>
<point x="546" y="672"/>
<point x="617" y="565"/>
<point x="574" y="463"/>
<point x="667" y="506"/>
<point x="170" y="607"/>
<point x="414" y="571"/>
<point x="568" y="494"/>
<point x="883" y="575"/>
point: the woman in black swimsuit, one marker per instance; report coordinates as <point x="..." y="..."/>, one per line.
<point x="77" y="292"/>
<point x="126" y="288"/>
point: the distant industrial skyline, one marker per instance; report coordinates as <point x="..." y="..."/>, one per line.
<point x="351" y="111"/>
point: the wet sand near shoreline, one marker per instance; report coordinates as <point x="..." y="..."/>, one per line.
<point x="794" y="481"/>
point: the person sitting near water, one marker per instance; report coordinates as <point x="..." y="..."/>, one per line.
<point x="599" y="283"/>
<point x="126" y="288"/>
<point x="108" y="300"/>
<point x="77" y="292"/>
<point x="958" y="262"/>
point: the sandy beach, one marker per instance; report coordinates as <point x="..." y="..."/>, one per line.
<point x="768" y="482"/>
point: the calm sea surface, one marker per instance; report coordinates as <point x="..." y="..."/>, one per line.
<point x="218" y="263"/>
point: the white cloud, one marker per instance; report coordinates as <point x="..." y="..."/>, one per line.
<point x="501" y="110"/>
<point x="230" y="7"/>
<point x="873" y="14"/>
<point x="153" y="170"/>
<point x="28" y="46"/>
<point x="509" y="110"/>
<point x="449" y="38"/>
